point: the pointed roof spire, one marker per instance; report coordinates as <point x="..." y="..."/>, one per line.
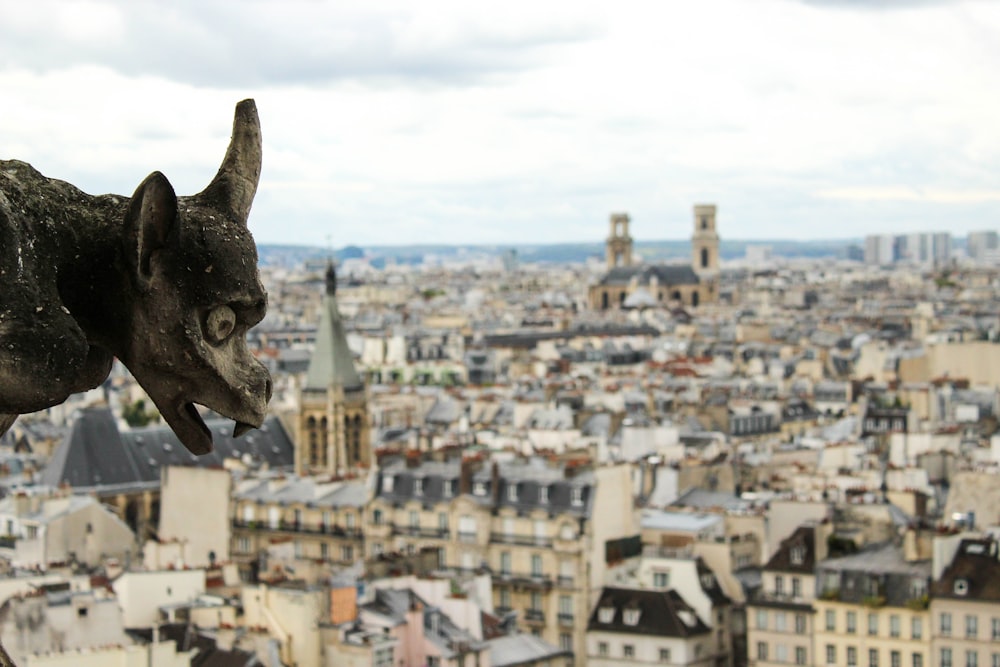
<point x="332" y="363"/>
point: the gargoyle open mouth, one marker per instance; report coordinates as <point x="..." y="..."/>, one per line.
<point x="195" y="434"/>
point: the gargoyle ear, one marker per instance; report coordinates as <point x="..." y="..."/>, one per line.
<point x="151" y="216"/>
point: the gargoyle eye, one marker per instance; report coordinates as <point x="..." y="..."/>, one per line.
<point x="219" y="324"/>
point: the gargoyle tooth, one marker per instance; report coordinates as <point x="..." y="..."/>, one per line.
<point x="241" y="428"/>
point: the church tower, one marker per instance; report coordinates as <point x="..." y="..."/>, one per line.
<point x="705" y="242"/>
<point x="333" y="431"/>
<point x="619" y="243"/>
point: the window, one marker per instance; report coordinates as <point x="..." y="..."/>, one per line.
<point x="414" y="519"/>
<point x="606" y="614"/>
<point x="628" y="650"/>
<point x="945" y="621"/>
<point x="543" y="495"/>
<point x="796" y="587"/>
<point x="852" y="656"/>
<point x="447" y="488"/>
<point x="762" y="650"/>
<point x="872" y="624"/>
<point x="873" y="657"/>
<point x="852" y="622"/>
<point x="243" y="545"/>
<point x="418" y="487"/>
<point x="994" y="660"/>
<point x="918" y="660"/>
<point x="798" y="555"/>
<point x="576" y="496"/>
<point x="664" y="655"/>
<point x="630" y="617"/>
<point x="479" y="489"/>
<point x="916" y="628"/>
<point x="377" y="518"/>
<point x="761" y="619"/>
<point x="662" y="580"/>
<point x="800" y="624"/>
<point x="831" y="654"/>
<point x="565" y="641"/>
<point x="505" y="598"/>
<point x="536" y="601"/>
<point x="324" y="550"/>
<point x="831" y="620"/>
<point x="894" y="627"/>
<point x="442" y="521"/>
<point x="505" y="562"/>
<point x="971" y="659"/>
<point x="895" y="659"/>
<point x="961" y="587"/>
<point x="995" y="629"/>
<point x="536" y="565"/>
<point x="347" y="553"/>
<point x="512" y="492"/>
<point x="779" y="621"/>
<point x="800" y="655"/>
<point x="779" y="585"/>
<point x="945" y="658"/>
<point x="349" y="518"/>
<point x="971" y="626"/>
<point x="602" y="648"/>
<point x="377" y="549"/>
<point x="565" y="605"/>
<point x="781" y="653"/>
<point x="387" y="483"/>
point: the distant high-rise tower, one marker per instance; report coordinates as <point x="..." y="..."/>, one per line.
<point x="705" y="242"/>
<point x="333" y="433"/>
<point x="619" y="244"/>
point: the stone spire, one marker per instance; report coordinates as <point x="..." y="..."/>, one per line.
<point x="332" y="363"/>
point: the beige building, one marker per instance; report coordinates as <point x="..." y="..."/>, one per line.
<point x="781" y="616"/>
<point x="62" y="528"/>
<point x="532" y="524"/>
<point x="965" y="605"/>
<point x="197" y="524"/>
<point x="872" y="609"/>
<point x="322" y="520"/>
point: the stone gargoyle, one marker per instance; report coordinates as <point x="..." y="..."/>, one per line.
<point x="167" y="284"/>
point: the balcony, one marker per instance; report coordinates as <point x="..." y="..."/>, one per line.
<point x="471" y="538"/>
<point x="525" y="581"/>
<point x="521" y="540"/>
<point x="422" y="531"/>
<point x="299" y="528"/>
<point x="534" y="616"/>
<point x="564" y="582"/>
<point x="566" y="619"/>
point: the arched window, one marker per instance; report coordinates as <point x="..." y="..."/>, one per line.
<point x="694" y="298"/>
<point x="704" y="258"/>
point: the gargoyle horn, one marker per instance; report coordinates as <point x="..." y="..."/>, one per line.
<point x="235" y="185"/>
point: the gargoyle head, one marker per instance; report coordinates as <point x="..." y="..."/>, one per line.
<point x="197" y="291"/>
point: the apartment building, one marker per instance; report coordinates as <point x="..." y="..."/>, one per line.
<point x="781" y="616"/>
<point x="964" y="607"/>
<point x="534" y="525"/>
<point x="872" y="609"/>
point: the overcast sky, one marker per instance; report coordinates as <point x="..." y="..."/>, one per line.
<point x="525" y="122"/>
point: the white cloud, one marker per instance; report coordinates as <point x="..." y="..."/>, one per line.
<point x="394" y="122"/>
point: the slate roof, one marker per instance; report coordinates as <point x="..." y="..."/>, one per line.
<point x="666" y="274"/>
<point x="974" y="570"/>
<point x="797" y="552"/>
<point x="661" y="614"/>
<point x="96" y="454"/>
<point x="332" y="362"/>
<point x="523" y="649"/>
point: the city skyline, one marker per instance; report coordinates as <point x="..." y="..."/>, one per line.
<point x="444" y="123"/>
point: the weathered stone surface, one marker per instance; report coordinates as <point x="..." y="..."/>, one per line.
<point x="167" y="284"/>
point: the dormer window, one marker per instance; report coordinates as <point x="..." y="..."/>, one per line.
<point x="606" y="614"/>
<point x="707" y="581"/>
<point x="479" y="489"/>
<point x="448" y="488"/>
<point x="387" y="483"/>
<point x="418" y="487"/>
<point x="798" y="555"/>
<point x="576" y="496"/>
<point x="961" y="587"/>
<point x="512" y="493"/>
<point x="543" y="495"/>
<point x="631" y="616"/>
